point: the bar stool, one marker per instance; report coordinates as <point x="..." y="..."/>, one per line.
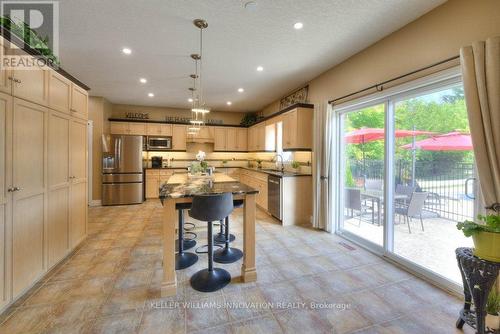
<point x="188" y="243"/>
<point x="211" y="208"/>
<point x="228" y="254"/>
<point x="183" y="259"/>
<point x="220" y="237"/>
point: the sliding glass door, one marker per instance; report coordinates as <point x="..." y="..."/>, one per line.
<point x="362" y="179"/>
<point x="434" y="179"/>
<point x="406" y="175"/>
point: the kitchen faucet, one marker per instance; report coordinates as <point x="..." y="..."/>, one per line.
<point x="282" y="164"/>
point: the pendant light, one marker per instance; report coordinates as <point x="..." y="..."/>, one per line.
<point x="199" y="108"/>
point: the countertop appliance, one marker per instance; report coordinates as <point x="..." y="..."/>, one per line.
<point x="159" y="143"/>
<point x="274" y="196"/>
<point x="122" y="173"/>
<point x="156" y="162"/>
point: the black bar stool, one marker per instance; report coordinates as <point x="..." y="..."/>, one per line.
<point x="183" y="259"/>
<point x="220" y="237"/>
<point x="229" y="254"/>
<point x="188" y="243"/>
<point x="211" y="208"/>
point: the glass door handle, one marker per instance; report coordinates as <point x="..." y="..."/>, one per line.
<point x="470" y="179"/>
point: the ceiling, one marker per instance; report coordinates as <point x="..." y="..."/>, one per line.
<point x="161" y="36"/>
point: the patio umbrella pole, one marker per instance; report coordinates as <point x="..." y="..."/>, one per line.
<point x="413" y="159"/>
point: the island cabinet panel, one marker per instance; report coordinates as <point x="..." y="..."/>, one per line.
<point x="31" y="85"/>
<point x="79" y="102"/>
<point x="59" y="92"/>
<point x="78" y="177"/>
<point x="29" y="199"/>
<point x="220" y="138"/>
<point x="5" y="196"/>
<point x="178" y="137"/>
<point x="58" y="187"/>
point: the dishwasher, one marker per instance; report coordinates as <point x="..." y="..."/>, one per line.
<point x="274" y="196"/>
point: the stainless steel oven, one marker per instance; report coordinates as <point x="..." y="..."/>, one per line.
<point x="159" y="143"/>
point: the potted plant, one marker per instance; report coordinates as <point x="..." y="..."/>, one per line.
<point x="485" y="234"/>
<point x="493" y="310"/>
<point x="295" y="165"/>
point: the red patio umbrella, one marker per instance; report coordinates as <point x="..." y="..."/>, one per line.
<point x="453" y="141"/>
<point x="365" y="135"/>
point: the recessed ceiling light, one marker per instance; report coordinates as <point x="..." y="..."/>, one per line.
<point x="143" y="80"/>
<point x="260" y="68"/>
<point x="229" y="103"/>
<point x="126" y="51"/>
<point x="190" y="100"/>
<point x="151" y="95"/>
<point x="240" y="90"/>
<point x="298" y="25"/>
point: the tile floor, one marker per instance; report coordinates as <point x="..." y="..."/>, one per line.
<point x="308" y="282"/>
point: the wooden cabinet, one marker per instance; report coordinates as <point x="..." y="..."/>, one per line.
<point x="178" y="137"/>
<point x="5" y="196"/>
<point x="59" y="92"/>
<point x="155" y="178"/>
<point x="28" y="176"/>
<point x="257" y="181"/>
<point x="220" y="136"/>
<point x="241" y="139"/>
<point x="79" y="102"/>
<point x="257" y="138"/>
<point x="58" y="187"/>
<point x="229" y="139"/>
<point x="158" y="129"/>
<point x="297" y="129"/>
<point x="31" y="85"/>
<point x="138" y="129"/>
<point x="78" y="177"/>
<point x="5" y="79"/>
<point x="128" y="128"/>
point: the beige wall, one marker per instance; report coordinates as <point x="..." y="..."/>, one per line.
<point x="99" y="112"/>
<point x="159" y="113"/>
<point x="433" y="37"/>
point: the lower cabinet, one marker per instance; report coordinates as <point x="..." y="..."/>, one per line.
<point x="78" y="213"/>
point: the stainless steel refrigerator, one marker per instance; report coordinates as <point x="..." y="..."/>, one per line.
<point x="122" y="173"/>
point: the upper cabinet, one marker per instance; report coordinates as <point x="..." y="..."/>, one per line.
<point x="128" y="128"/>
<point x="59" y="92"/>
<point x="158" y="129"/>
<point x="178" y="137"/>
<point x="257" y="137"/>
<point x="31" y="85"/>
<point x="297" y="129"/>
<point x="230" y="139"/>
<point x="79" y="102"/>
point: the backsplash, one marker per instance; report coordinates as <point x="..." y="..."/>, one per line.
<point x="234" y="159"/>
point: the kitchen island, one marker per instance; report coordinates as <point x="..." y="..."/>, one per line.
<point x="180" y="188"/>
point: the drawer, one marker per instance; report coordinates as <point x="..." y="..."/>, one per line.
<point x="166" y="172"/>
<point x="152" y="172"/>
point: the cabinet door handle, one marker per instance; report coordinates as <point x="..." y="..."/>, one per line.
<point x="10" y="189"/>
<point x="17" y="189"/>
<point x="10" y="78"/>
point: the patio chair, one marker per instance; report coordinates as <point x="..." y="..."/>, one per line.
<point x="353" y="202"/>
<point x="414" y="209"/>
<point x="405" y="190"/>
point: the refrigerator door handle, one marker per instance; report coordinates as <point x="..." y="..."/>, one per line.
<point x="118" y="151"/>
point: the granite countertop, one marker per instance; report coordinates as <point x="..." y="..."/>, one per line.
<point x="259" y="170"/>
<point x="203" y="186"/>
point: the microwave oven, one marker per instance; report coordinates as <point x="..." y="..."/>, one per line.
<point x="159" y="143"/>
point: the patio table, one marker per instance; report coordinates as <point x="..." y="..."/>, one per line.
<point x="377" y="196"/>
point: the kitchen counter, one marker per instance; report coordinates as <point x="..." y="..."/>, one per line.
<point x="180" y="185"/>
<point x="259" y="170"/>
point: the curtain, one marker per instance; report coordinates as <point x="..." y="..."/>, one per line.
<point x="480" y="64"/>
<point x="322" y="149"/>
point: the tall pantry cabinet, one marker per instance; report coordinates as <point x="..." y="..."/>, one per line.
<point x="43" y="175"/>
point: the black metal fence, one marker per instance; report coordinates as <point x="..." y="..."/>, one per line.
<point x="449" y="183"/>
